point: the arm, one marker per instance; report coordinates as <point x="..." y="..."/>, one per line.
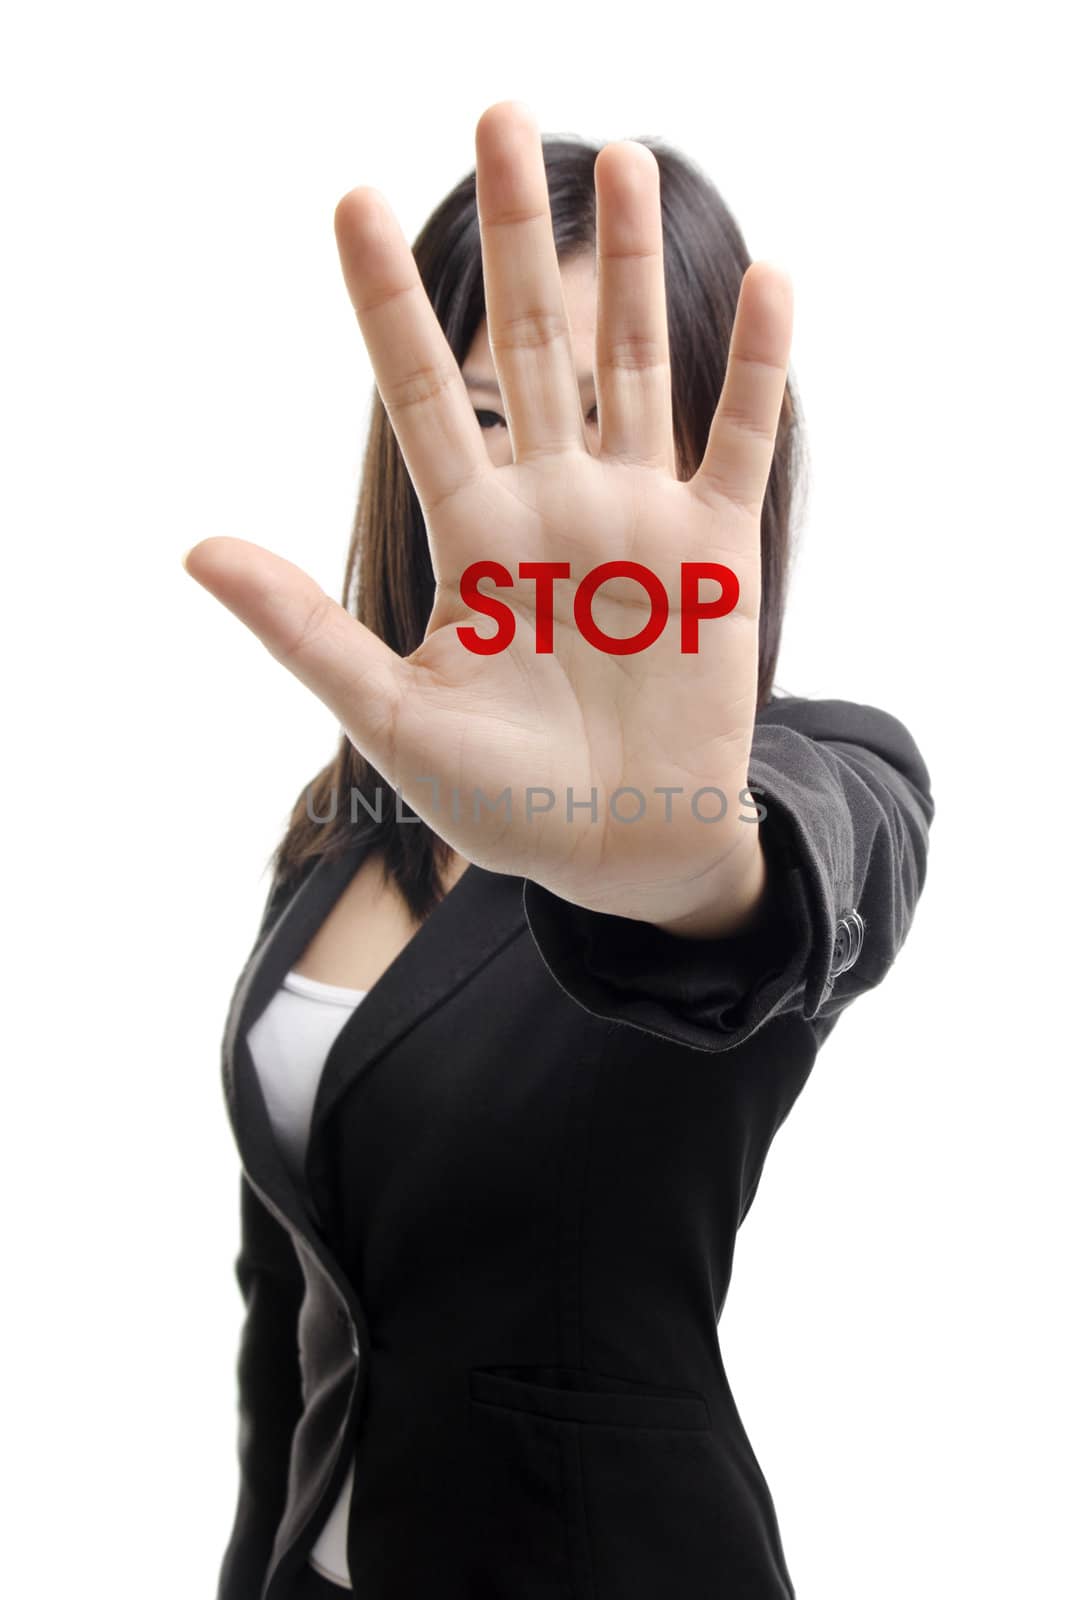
<point x="270" y="1396"/>
<point x="845" y="840"/>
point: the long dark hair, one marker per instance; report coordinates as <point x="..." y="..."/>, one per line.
<point x="388" y="580"/>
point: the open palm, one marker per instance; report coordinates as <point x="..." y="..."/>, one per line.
<point x="455" y="729"/>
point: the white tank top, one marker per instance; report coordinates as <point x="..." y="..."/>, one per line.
<point x="289" y="1044"/>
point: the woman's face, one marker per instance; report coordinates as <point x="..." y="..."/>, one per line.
<point x="579" y="292"/>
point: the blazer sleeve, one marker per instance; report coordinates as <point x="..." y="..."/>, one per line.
<point x="269" y="1389"/>
<point x="848" y="808"/>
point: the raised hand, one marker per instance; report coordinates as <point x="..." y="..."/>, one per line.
<point x="446" y="724"/>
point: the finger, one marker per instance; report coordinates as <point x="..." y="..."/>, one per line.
<point x="525" y="312"/>
<point x="347" y="666"/>
<point x="417" y="375"/>
<point x="740" y="447"/>
<point x="632" y="341"/>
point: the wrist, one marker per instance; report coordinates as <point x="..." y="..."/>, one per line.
<point x="733" y="895"/>
<point x="722" y="901"/>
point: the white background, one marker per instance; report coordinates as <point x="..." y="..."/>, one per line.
<point x="180" y="359"/>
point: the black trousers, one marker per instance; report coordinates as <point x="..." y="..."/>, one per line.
<point x="311" y="1585"/>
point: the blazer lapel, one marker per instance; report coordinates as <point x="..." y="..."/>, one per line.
<point x="482" y="912"/>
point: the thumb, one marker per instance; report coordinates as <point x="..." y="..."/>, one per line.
<point x="344" y="663"/>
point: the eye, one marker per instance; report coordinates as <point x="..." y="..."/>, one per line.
<point x="494" y="418"/>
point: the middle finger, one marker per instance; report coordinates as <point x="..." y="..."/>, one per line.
<point x="529" y="334"/>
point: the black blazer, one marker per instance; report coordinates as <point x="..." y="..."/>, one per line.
<point x="531" y="1149"/>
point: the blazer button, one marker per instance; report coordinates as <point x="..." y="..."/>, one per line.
<point x="847" y="943"/>
<point x="857" y="930"/>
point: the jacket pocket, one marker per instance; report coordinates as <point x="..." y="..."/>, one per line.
<point x="576" y="1394"/>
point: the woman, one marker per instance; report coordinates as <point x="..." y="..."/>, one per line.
<point x="553" y="941"/>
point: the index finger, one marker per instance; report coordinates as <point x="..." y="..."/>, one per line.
<point x="740" y="446"/>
